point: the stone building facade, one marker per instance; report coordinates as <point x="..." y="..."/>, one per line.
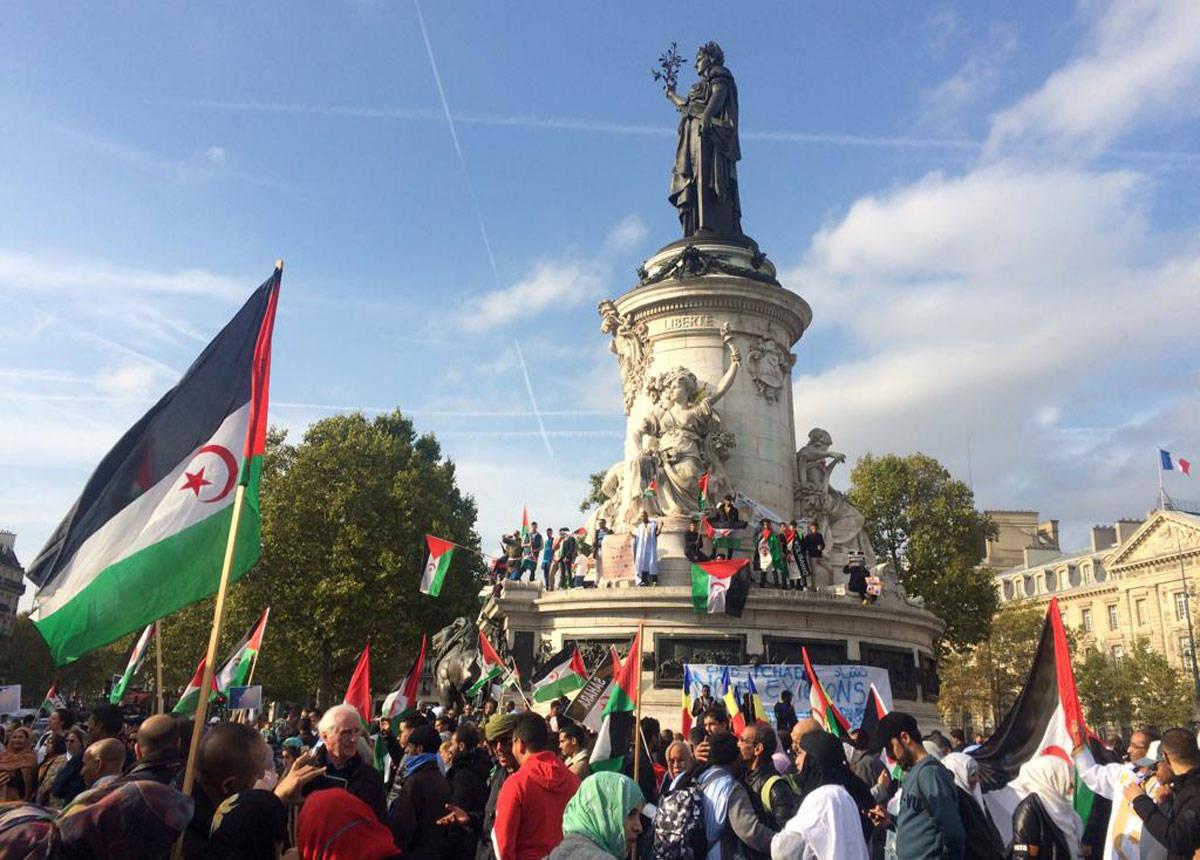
<point x="12" y="583"/>
<point x="1133" y="582"/>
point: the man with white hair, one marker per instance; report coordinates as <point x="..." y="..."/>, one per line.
<point x="345" y="766"/>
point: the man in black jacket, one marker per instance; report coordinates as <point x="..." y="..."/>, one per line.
<point x="468" y="777"/>
<point x="422" y="800"/>
<point x="756" y="746"/>
<point x="499" y="733"/>
<point x="1179" y="834"/>
<point x="341" y="730"/>
<point x="158" y="752"/>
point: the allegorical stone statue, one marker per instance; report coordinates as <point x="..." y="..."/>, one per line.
<point x="704" y="186"/>
<point x="675" y="443"/>
<point x="839" y="521"/>
<point x="631" y="345"/>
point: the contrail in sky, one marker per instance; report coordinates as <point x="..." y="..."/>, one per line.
<point x="536" y="413"/>
<point x="462" y="162"/>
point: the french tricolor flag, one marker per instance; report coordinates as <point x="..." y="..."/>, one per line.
<point x="1172" y="462"/>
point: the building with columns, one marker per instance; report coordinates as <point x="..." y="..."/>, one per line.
<point x="1133" y="582"/>
<point x="12" y="583"/>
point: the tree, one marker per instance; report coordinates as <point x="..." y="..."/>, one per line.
<point x="345" y="514"/>
<point x="1103" y="691"/>
<point x="925" y="523"/>
<point x="985" y="679"/>
<point x="595" y="494"/>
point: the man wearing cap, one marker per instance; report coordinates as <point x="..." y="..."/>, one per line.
<point x="422" y="801"/>
<point x="498" y="732"/>
<point x="928" y="826"/>
<point x="1125" y="837"/>
<point x="1180" y="834"/>
<point x="529" y="812"/>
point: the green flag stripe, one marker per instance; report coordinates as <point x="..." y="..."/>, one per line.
<point x="618" y="702"/>
<point x="560" y="687"/>
<point x="151" y="583"/>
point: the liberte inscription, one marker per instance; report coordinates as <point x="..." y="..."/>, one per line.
<point x="693" y="321"/>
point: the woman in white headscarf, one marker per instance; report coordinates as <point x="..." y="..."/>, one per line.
<point x="977" y="820"/>
<point x="1044" y="823"/>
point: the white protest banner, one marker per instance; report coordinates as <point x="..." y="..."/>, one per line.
<point x="846" y="685"/>
<point x="10" y="699"/>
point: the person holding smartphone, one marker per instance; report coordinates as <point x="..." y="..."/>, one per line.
<point x="338" y="752"/>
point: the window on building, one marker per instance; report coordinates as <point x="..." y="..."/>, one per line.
<point x="1086" y="616"/>
<point x="1185" y="652"/>
<point x="1118" y="652"/>
<point x="1181" y="606"/>
<point x="1114" y="618"/>
<point x="1139" y="607"/>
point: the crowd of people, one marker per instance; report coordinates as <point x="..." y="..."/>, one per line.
<point x="784" y="552"/>
<point x="510" y="784"/>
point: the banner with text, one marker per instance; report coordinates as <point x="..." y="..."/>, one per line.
<point x="846" y="685"/>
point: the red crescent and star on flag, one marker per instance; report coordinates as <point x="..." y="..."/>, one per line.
<point x="200" y="475"/>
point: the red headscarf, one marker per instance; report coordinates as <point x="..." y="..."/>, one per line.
<point x="336" y="825"/>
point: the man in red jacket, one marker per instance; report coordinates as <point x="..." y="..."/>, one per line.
<point x="529" y="812"/>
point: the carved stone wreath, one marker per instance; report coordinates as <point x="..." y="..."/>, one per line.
<point x="770" y="366"/>
<point x="691" y="262"/>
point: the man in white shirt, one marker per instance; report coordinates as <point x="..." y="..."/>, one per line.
<point x="1125" y="838"/>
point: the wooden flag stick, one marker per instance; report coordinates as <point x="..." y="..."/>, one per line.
<point x="158" y="687"/>
<point x="189" y="774"/>
<point x="637" y="717"/>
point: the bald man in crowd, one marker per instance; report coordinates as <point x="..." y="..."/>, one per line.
<point x="803" y="727"/>
<point x="102" y="762"/>
<point x="158" y="749"/>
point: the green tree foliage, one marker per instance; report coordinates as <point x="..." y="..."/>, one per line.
<point x="987" y="677"/>
<point x="925" y="523"/>
<point x="595" y="496"/>
<point x="1139" y="688"/>
<point x="26" y="660"/>
<point x="345" y="514"/>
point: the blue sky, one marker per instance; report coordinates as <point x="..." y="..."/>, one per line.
<point x="991" y="208"/>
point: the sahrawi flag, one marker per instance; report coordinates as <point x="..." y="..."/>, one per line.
<point x="148" y="534"/>
<point x="563" y="673"/>
<point x="403" y="700"/>
<point x="440" y="552"/>
<point x="53" y="700"/>
<point x="721" y="586"/>
<point x="191" y="696"/>
<point x="236" y="671"/>
<point x="1045" y="720"/>
<point x="824" y="711"/>
<point x="615" y="737"/>
<point x="491" y="666"/>
<point x="136" y="658"/>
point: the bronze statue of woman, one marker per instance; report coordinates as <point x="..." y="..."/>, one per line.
<point x="704" y="184"/>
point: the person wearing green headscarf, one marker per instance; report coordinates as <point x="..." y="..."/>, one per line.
<point x="602" y="820"/>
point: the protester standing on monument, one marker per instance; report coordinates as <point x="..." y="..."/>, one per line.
<point x="645" y="550"/>
<point x="813" y="547"/>
<point x="768" y="555"/>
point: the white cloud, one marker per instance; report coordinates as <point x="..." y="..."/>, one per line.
<point x="971" y="302"/>
<point x="559" y="283"/>
<point x="626" y="235"/>
<point x="1141" y="61"/>
<point x="215" y="155"/>
<point x="945" y="105"/>
<point x="21" y="271"/>
<point x="131" y="379"/>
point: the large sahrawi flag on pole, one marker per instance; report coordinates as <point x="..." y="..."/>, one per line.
<point x="136" y="658"/>
<point x="148" y="534"/>
<point x="236" y="671"/>
<point x="1045" y="720"/>
<point x="436" y="565"/>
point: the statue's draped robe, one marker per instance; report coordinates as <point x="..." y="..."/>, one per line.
<point x="714" y="154"/>
<point x="681" y="432"/>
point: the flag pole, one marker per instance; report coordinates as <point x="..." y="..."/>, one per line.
<point x="158" y="687"/>
<point x="637" y="717"/>
<point x="206" y="681"/>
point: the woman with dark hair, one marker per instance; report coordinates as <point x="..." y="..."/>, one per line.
<point x="829" y="822"/>
<point x="56" y="757"/>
